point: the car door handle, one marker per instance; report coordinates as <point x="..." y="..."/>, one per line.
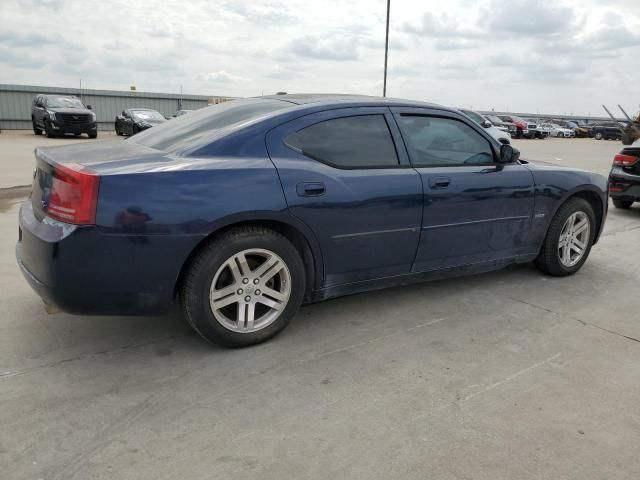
<point x="439" y="182"/>
<point x="311" y="189"/>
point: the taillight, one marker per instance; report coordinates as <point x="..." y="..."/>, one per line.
<point x="74" y="194"/>
<point x="622" y="160"/>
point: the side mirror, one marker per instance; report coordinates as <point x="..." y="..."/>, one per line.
<point x="88" y="107"/>
<point x="487" y="124"/>
<point x="509" y="154"/>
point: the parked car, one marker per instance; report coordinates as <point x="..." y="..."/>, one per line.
<point x="60" y="114"/>
<point x="500" y="135"/>
<point x="555" y="130"/>
<point x="580" y="131"/>
<point x="606" y="131"/>
<point x="510" y="128"/>
<point x="534" y="129"/>
<point x="179" y="113"/>
<point x="134" y="120"/>
<point x="521" y="126"/>
<point x="624" y="178"/>
<point x="246" y="209"/>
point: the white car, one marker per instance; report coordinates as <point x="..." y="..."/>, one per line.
<point x="500" y="135"/>
<point x="557" y="131"/>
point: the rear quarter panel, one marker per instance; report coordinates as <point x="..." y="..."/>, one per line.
<point x="153" y="219"/>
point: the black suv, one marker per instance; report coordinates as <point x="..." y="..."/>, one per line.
<point x="60" y="114"/>
<point x="624" y="178"/>
<point x="606" y="131"/>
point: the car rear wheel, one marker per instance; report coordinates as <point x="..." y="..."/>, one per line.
<point x="569" y="239"/>
<point x="623" y="204"/>
<point x="598" y="136"/>
<point x="244" y="287"/>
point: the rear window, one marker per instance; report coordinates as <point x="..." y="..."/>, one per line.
<point x="195" y="130"/>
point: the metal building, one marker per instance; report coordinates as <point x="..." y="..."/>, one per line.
<point x="15" y="103"/>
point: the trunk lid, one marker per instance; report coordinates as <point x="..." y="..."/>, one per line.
<point x="54" y="164"/>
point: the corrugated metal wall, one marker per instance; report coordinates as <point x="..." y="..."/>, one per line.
<point x="15" y="103"/>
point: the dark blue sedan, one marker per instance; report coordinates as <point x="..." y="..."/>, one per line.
<point x="247" y="209"/>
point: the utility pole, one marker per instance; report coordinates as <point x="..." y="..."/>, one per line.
<point x="386" y="52"/>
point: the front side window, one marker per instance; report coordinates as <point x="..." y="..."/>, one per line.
<point x="434" y="141"/>
<point x="349" y="142"/>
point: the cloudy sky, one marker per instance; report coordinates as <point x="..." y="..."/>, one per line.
<point x="557" y="56"/>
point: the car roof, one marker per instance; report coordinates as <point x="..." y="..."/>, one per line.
<point x="57" y="95"/>
<point x="321" y="99"/>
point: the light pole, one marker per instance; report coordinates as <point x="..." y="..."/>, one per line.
<point x="386" y="52"/>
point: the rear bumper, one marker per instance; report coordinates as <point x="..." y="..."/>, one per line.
<point x="82" y="271"/>
<point x="623" y="186"/>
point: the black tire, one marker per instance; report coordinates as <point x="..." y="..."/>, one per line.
<point x="77" y="134"/>
<point x="623" y="204"/>
<point x="548" y="260"/>
<point x="49" y="131"/>
<point x="118" y="132"/>
<point x="37" y="130"/>
<point x="93" y="135"/>
<point x="598" y="136"/>
<point x="134" y="130"/>
<point x="200" y="273"/>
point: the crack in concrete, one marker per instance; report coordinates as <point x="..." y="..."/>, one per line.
<point x="83" y="356"/>
<point x="575" y="319"/>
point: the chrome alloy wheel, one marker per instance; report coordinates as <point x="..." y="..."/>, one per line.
<point x="250" y="290"/>
<point x="574" y="238"/>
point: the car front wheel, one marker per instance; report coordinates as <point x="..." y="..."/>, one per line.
<point x="49" y="130"/>
<point x="569" y="239"/>
<point x="244" y="287"/>
<point x="37" y="130"/>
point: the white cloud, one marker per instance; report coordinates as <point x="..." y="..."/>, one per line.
<point x="553" y="55"/>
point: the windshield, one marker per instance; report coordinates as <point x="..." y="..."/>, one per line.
<point x="493" y="119"/>
<point x="147" y="115"/>
<point x="64" y="102"/>
<point x="473" y="116"/>
<point x="192" y="131"/>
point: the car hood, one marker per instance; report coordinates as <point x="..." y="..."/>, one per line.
<point x="150" y="121"/>
<point x="76" y="111"/>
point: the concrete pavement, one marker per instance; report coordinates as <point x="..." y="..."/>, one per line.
<point x="508" y="375"/>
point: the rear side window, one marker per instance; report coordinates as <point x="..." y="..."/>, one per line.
<point x="434" y="141"/>
<point x="349" y="142"/>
